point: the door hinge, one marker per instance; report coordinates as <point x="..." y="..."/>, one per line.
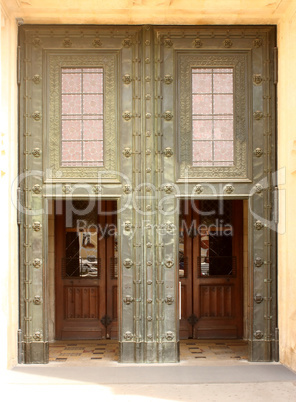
<point x="18" y="65"/>
<point x="275" y="65"/>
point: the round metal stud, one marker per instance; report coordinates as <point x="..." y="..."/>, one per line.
<point x="36" y="226"/>
<point x="37" y="263"/>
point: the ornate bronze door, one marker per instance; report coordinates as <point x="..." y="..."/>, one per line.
<point x="210" y="269"/>
<point x="86" y="270"/>
<point x="146" y="116"/>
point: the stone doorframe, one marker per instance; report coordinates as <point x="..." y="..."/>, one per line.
<point x="148" y="170"/>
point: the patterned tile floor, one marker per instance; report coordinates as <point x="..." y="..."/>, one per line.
<point x="106" y="351"/>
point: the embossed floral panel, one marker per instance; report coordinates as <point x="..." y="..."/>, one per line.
<point x="212" y="117"/>
<point x="82" y="117"/>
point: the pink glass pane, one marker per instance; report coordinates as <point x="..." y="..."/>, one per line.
<point x="202" y="104"/>
<point x="223" y="129"/>
<point x="223" y="83"/>
<point x="202" y="129"/>
<point x="71" y="83"/>
<point x="223" y="151"/>
<point x="71" y="104"/>
<point x="93" y="104"/>
<point x="202" y="83"/>
<point x="71" y="151"/>
<point x="223" y="104"/>
<point x="92" y="83"/>
<point x="202" y="151"/>
<point x="93" y="129"/>
<point x="71" y="129"/>
<point x="93" y="151"/>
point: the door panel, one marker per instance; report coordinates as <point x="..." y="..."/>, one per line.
<point x="85" y="290"/>
<point x="213" y="286"/>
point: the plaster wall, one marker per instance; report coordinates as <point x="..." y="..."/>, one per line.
<point x="280" y="12"/>
<point x="8" y="161"/>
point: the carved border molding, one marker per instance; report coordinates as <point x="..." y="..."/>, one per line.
<point x="109" y="62"/>
<point x="239" y="63"/>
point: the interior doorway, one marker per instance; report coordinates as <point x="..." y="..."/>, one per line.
<point x="86" y="270"/>
<point x="211" y="269"/>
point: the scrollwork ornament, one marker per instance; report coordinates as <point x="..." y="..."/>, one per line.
<point x="128" y="336"/>
<point x="227" y="43"/>
<point x="127" y="79"/>
<point x="169" y="263"/>
<point x="37" y="263"/>
<point x="128" y="300"/>
<point x="168" y="115"/>
<point x="36" y="152"/>
<point x="258" y="334"/>
<point x="258" y="188"/>
<point x="37" y="300"/>
<point x="127" y="189"/>
<point x="168" y="79"/>
<point x="258" y="298"/>
<point x="168" y="42"/>
<point x="37" y="336"/>
<point x="257" y="115"/>
<point x="36" y="226"/>
<point x="97" y="43"/>
<point x="36" y="189"/>
<point x="258" y="225"/>
<point x="128" y="263"/>
<point x="67" y="189"/>
<point x="198" y="189"/>
<point x="258" y="262"/>
<point x="127" y="42"/>
<point x="36" y="42"/>
<point x="257" y="43"/>
<point x="168" y="152"/>
<point x="197" y="43"/>
<point x="97" y="189"/>
<point x="128" y="226"/>
<point x="127" y="115"/>
<point x="169" y="300"/>
<point x="258" y="152"/>
<point x="127" y="152"/>
<point x="36" y="79"/>
<point x="168" y="188"/>
<point x="36" y="115"/>
<point x="67" y="43"/>
<point x="169" y="335"/>
<point x="257" y="79"/>
<point x="228" y="189"/>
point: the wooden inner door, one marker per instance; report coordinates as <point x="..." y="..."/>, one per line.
<point x="210" y="269"/>
<point x="86" y="269"/>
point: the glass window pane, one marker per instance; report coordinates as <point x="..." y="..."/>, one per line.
<point x="82" y="117"/>
<point x="223" y="151"/>
<point x="202" y="150"/>
<point x="202" y="104"/>
<point x="223" y="83"/>
<point x="223" y="104"/>
<point x="202" y="83"/>
<point x="212" y="117"/>
<point x="202" y="130"/>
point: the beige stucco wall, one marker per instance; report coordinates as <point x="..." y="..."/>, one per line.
<point x="8" y="160"/>
<point x="280" y="12"/>
<point x="287" y="161"/>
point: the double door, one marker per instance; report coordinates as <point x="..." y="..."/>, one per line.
<point x="210" y="269"/>
<point x="86" y="270"/>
